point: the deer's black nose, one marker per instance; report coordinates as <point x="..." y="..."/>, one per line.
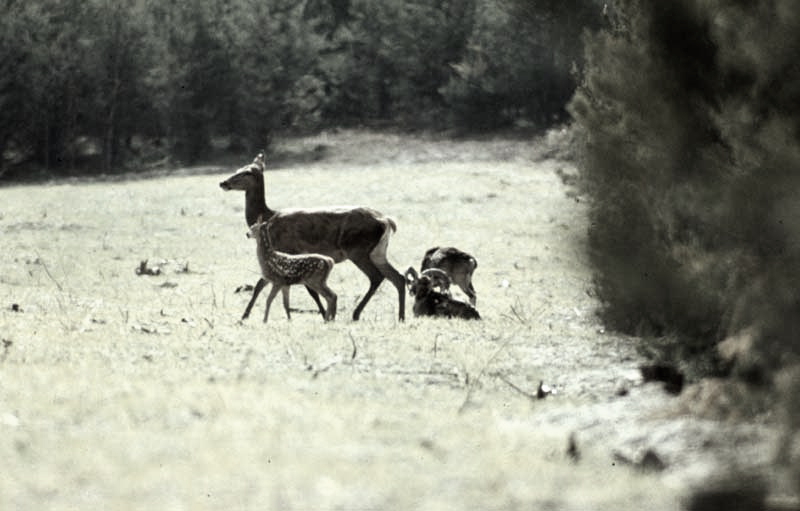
<point x="225" y="186"/>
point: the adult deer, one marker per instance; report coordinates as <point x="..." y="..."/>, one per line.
<point x="355" y="233"/>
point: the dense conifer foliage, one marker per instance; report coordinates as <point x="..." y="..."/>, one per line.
<point x="690" y="114"/>
<point x="102" y="84"/>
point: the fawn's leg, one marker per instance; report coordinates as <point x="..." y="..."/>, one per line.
<point x="330" y="299"/>
<point x="256" y="290"/>
<point x="272" y="292"/>
<point x="286" y="302"/>
<point x="315" y="296"/>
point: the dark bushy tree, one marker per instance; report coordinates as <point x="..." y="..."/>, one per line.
<point x="691" y="117"/>
<point x="199" y="72"/>
<point x="46" y="79"/>
<point x="390" y="58"/>
<point x="275" y="56"/>
<point x="690" y="114"/>
<point x="122" y="55"/>
<point x="74" y="73"/>
<point x="521" y="62"/>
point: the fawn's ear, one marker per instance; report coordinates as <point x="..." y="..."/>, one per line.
<point x="255" y="227"/>
<point x="259" y="162"/>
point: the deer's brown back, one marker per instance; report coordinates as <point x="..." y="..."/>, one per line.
<point x="334" y="232"/>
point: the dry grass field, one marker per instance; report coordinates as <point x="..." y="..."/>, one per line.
<point x="126" y="391"/>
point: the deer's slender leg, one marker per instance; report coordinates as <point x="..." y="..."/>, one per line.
<point x="256" y="290"/>
<point x="375" y="278"/>
<point x="286" y="302"/>
<point x="330" y="298"/>
<point x="399" y="282"/>
<point x="379" y="261"/>
<point x="315" y="296"/>
<point x="270" y="297"/>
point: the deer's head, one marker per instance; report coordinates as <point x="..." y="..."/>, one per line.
<point x="438" y="278"/>
<point x="422" y="285"/>
<point x="418" y="286"/>
<point x="249" y="177"/>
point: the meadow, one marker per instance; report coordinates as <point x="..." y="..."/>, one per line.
<point x="128" y="391"/>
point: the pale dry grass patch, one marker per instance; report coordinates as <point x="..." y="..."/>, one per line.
<point x="137" y="392"/>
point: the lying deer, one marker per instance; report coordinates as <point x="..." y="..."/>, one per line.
<point x="428" y="302"/>
<point x="438" y="278"/>
<point x="355" y="233"/>
<point x="284" y="270"/>
<point x="458" y="265"/>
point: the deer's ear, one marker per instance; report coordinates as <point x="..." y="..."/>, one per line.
<point x="260" y="162"/>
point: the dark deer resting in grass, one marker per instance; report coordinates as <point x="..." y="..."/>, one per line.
<point x="284" y="270"/>
<point x="458" y="265"/>
<point x="438" y="279"/>
<point x="428" y="302"/>
<point x="355" y="233"/>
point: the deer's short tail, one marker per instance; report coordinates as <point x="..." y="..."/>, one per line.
<point x="378" y="254"/>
